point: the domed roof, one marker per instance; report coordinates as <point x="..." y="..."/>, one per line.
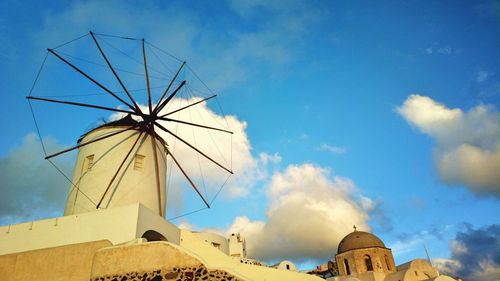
<point x="359" y="240"/>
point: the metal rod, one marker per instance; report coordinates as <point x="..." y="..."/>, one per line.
<point x="157" y="172"/>
<point x="160" y="106"/>
<point x="182" y="108"/>
<point x="117" y="171"/>
<point x="90" y="78"/>
<point x="85" y="105"/>
<point x="185" y="175"/>
<point x="194" y="148"/>
<point x="114" y="73"/>
<point x="194" y="124"/>
<point x="168" y="87"/>
<point x="147" y="77"/>
<point x="92" y="141"/>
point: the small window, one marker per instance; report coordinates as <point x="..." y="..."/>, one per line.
<point x="387" y="263"/>
<point x="346" y="264"/>
<point x="288" y="267"/>
<point x="89" y="162"/>
<point x="368" y="263"/>
<point x="139" y="162"/>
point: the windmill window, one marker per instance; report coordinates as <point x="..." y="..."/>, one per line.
<point x="139" y="162"/>
<point x="89" y="162"/>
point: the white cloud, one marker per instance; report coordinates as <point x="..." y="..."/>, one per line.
<point x="185" y="225"/>
<point x="472" y="166"/>
<point x="250" y="8"/>
<point x="445" y="50"/>
<point x="458" y="248"/>
<point x="332" y="149"/>
<point x="482" y="76"/>
<point x="266" y="158"/>
<point x="308" y="214"/>
<point x="304" y="136"/>
<point x="468" y="143"/>
<point x="428" y="115"/>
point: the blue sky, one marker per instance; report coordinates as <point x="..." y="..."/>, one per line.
<point x="385" y="103"/>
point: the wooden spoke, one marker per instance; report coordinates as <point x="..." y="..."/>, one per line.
<point x="187" y="106"/>
<point x="194" y="124"/>
<point x="85" y="105"/>
<point x="192" y="147"/>
<point x="168" y="87"/>
<point x="91" y="79"/>
<point x="147" y="77"/>
<point x="114" y="73"/>
<point x="92" y="141"/>
<point x="160" y="106"/>
<point x="186" y="176"/>
<point x="157" y="170"/>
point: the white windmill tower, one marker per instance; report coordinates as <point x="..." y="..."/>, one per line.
<point x="135" y="181"/>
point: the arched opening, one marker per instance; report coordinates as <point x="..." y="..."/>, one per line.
<point x="368" y="263"/>
<point x="387" y="263"/>
<point x="346" y="264"/>
<point x="152" y="235"/>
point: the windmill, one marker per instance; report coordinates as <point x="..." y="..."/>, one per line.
<point x="112" y="158"/>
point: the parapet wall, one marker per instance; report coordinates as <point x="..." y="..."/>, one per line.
<point x="64" y="263"/>
<point x="117" y="225"/>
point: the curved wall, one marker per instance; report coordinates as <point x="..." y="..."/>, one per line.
<point x="135" y="182"/>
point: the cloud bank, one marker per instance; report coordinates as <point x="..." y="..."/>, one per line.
<point x="468" y="143"/>
<point x="31" y="187"/>
<point x="475" y="254"/>
<point x="309" y="212"/>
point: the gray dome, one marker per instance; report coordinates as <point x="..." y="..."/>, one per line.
<point x="359" y="240"/>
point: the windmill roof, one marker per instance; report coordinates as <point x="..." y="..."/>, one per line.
<point x="126" y="121"/>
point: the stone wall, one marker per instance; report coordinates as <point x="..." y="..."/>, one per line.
<point x="357" y="263"/>
<point x="177" y="273"/>
<point x="152" y="261"/>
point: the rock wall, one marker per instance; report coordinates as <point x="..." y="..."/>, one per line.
<point x="152" y="261"/>
<point x="177" y="274"/>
